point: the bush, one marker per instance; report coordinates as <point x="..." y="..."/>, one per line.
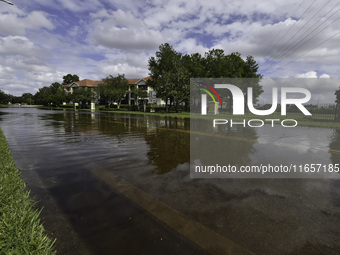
<point x="126" y="107"/>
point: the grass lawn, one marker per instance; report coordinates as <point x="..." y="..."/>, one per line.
<point x="21" y="231"/>
<point x="318" y="120"/>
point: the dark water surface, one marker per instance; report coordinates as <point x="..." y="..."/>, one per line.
<point x="120" y="184"/>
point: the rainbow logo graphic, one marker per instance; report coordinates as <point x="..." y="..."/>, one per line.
<point x="209" y="93"/>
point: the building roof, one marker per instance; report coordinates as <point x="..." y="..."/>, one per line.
<point x="85" y="83"/>
<point x="134" y="81"/>
<point x="92" y="83"/>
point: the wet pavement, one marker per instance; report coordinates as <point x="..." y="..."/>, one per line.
<point x="120" y="184"/>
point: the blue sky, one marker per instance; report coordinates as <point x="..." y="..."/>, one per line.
<point x="41" y="41"/>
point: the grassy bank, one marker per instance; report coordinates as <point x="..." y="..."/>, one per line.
<point x="302" y="120"/>
<point x="21" y="231"/>
<point x="122" y="110"/>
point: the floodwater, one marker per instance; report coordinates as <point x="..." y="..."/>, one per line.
<point x="120" y="184"/>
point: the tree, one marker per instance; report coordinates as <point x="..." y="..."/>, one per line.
<point x="139" y="94"/>
<point x="337" y="101"/>
<point x="70" y="78"/>
<point x="171" y="72"/>
<point x="27" y="98"/>
<point x="82" y="95"/>
<point x="337" y="95"/>
<point x="216" y="65"/>
<point x="53" y="95"/>
<point x="169" y="76"/>
<point x="4" y="98"/>
<point x="57" y="94"/>
<point x="41" y="97"/>
<point x="178" y="84"/>
<point x="113" y="89"/>
<point x="219" y="65"/>
<point x="195" y="65"/>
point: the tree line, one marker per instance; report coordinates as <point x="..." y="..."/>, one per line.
<point x="110" y="91"/>
<point x="47" y="95"/>
<point x="170" y="73"/>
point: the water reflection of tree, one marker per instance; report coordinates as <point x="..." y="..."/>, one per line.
<point x="168" y="148"/>
<point x="111" y="126"/>
<point x="72" y="122"/>
<point x="91" y="123"/>
<point x="168" y="138"/>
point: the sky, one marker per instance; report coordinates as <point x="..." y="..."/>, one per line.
<point x="41" y="41"/>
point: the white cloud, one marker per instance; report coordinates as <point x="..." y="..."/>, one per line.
<point x="129" y="71"/>
<point x="132" y="65"/>
<point x="121" y="30"/>
<point x="191" y="46"/>
<point x="322" y="90"/>
<point x="17" y="45"/>
<point x="325" y="76"/>
<point x="6" y="73"/>
<point x="13" y="24"/>
<point x="310" y="74"/>
<point x="79" y="6"/>
<point x="46" y="77"/>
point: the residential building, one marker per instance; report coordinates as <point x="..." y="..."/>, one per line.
<point x="130" y="98"/>
<point x="93" y="85"/>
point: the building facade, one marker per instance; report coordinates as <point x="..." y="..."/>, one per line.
<point x="146" y="94"/>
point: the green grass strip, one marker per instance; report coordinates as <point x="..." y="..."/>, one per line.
<point x="21" y="231"/>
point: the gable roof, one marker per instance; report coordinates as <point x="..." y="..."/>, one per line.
<point x="85" y="83"/>
<point x="135" y="81"/>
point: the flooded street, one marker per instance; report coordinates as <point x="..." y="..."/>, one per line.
<point x="120" y="184"/>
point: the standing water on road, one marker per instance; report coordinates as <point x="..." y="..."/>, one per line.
<point x="120" y="184"/>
